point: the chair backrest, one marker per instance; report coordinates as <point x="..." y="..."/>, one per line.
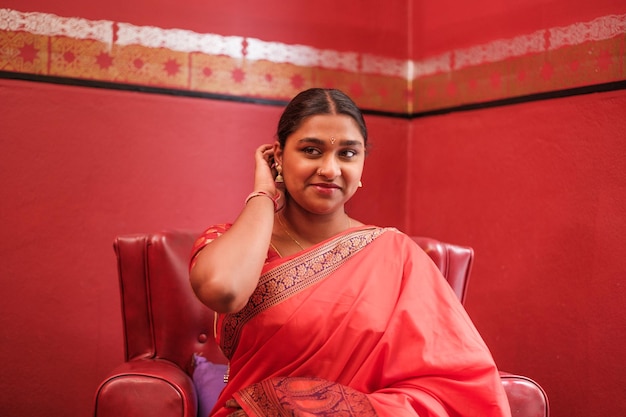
<point x="162" y="318"/>
<point x="454" y="262"/>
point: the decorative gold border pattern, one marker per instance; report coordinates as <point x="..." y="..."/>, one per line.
<point x="580" y="54"/>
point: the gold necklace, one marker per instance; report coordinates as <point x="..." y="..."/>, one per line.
<point x="280" y="220"/>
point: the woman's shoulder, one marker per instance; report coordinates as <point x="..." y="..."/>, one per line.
<point x="390" y="231"/>
<point x="212" y="232"/>
<point x="389" y="234"/>
<point x="401" y="241"/>
<point x="208" y="236"/>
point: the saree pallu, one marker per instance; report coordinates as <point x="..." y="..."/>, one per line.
<point x="362" y="324"/>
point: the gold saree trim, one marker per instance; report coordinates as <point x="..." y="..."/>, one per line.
<point x="294" y="276"/>
<point x="299" y="396"/>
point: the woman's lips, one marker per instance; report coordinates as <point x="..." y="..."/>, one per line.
<point x="324" y="188"/>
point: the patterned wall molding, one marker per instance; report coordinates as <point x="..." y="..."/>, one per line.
<point x="578" y="55"/>
<point x="581" y="54"/>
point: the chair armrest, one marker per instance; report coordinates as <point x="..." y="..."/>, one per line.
<point x="526" y="397"/>
<point x="146" y="387"/>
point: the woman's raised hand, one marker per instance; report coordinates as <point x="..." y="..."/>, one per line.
<point x="264" y="171"/>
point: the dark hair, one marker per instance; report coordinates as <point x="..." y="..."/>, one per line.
<point x="315" y="101"/>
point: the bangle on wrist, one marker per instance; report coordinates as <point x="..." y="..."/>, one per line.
<point x="265" y="194"/>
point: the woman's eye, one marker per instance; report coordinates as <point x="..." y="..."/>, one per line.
<point x="311" y="151"/>
<point x="349" y="153"/>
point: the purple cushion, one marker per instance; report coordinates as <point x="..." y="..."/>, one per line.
<point x="208" y="378"/>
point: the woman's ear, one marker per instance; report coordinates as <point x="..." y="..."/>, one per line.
<point x="278" y="153"/>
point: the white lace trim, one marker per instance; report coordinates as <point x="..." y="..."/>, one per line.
<point x="301" y="55"/>
<point x="599" y="29"/>
<point x="499" y="50"/>
<point x="51" y="25"/>
<point x="46" y="24"/>
<point x="180" y="40"/>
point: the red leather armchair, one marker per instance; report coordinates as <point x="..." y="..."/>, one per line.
<point x="164" y="325"/>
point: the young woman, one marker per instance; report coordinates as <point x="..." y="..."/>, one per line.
<point x="320" y="315"/>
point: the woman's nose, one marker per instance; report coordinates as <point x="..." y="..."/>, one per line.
<point x="329" y="168"/>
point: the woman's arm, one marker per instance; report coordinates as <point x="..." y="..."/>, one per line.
<point x="226" y="271"/>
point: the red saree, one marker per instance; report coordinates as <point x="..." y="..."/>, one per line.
<point x="362" y="325"/>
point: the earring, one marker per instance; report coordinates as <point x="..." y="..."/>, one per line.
<point x="279" y="177"/>
<point x="360" y="184"/>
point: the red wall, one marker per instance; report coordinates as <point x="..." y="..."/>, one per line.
<point x="539" y="191"/>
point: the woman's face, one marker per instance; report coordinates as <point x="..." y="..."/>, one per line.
<point x="322" y="162"/>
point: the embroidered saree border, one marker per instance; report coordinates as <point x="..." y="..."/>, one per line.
<point x="293" y="276"/>
<point x="289" y="396"/>
<point x="552" y="59"/>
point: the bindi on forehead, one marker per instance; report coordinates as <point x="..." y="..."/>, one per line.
<point x="322" y="142"/>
